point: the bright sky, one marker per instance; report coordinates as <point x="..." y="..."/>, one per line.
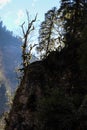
<point x="13" y="12"/>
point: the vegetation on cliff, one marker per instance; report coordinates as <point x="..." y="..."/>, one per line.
<point x="53" y="92"/>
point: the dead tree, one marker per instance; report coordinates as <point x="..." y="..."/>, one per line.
<point x="26" y="54"/>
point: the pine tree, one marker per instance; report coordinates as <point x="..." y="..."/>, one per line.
<point x="45" y="32"/>
<point x="74" y="15"/>
<point x="50" y="33"/>
<point x="62" y="26"/>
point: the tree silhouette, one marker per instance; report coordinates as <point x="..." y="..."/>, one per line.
<point x="26" y="54"/>
<point x="50" y="33"/>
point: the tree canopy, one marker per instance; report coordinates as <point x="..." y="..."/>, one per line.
<point x="62" y="26"/>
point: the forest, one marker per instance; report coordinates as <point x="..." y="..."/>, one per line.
<point x="52" y="93"/>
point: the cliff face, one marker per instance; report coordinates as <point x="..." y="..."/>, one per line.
<point x="50" y="96"/>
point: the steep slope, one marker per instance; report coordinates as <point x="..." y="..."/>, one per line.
<point x="4" y="87"/>
<point x="10" y="54"/>
<point x="50" y="96"/>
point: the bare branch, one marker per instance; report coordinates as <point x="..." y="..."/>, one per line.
<point x="26" y="56"/>
<point x="22" y="26"/>
<point x="30" y="24"/>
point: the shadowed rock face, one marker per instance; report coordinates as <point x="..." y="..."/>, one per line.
<point x="42" y="79"/>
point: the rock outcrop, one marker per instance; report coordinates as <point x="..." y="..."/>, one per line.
<point x="51" y="96"/>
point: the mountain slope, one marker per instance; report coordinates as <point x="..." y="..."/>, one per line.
<point x="50" y="96"/>
<point x="10" y="59"/>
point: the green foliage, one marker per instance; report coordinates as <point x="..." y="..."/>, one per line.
<point x="59" y="111"/>
<point x="61" y="102"/>
<point x="62" y="26"/>
<point x="50" y="33"/>
<point x="74" y="14"/>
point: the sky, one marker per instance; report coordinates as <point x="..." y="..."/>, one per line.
<point x="13" y="12"/>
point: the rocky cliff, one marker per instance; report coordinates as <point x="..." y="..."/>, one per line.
<point x="51" y="96"/>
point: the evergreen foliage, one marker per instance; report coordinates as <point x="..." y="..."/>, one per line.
<point x="50" y="33"/>
<point x="73" y="16"/>
<point x="54" y="90"/>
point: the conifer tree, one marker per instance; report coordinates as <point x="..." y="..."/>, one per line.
<point x="74" y="14"/>
<point x="45" y="32"/>
<point x="50" y="33"/>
